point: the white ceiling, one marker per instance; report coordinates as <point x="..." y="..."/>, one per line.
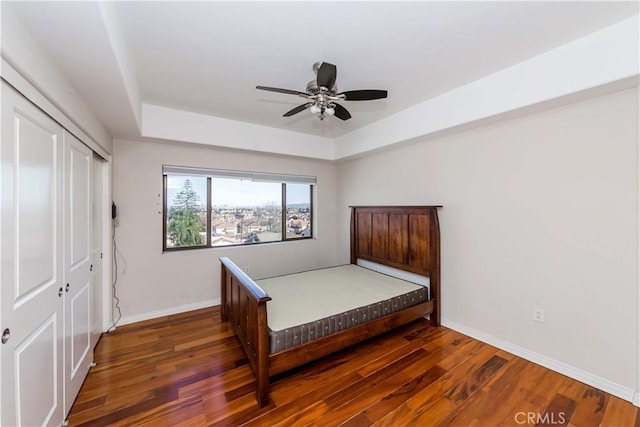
<point x="207" y="57"/>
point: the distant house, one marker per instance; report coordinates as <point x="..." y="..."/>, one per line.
<point x="297" y="226"/>
<point x="225" y="227"/>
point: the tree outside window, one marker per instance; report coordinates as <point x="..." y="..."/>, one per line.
<point x="187" y="218"/>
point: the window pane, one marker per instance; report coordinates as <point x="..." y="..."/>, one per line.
<point x="186" y="212"/>
<point x="298" y="210"/>
<point x="245" y="212"/>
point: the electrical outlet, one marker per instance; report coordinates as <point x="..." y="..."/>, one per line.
<point x="538" y="315"/>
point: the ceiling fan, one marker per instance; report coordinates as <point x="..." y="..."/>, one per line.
<point x="322" y="94"/>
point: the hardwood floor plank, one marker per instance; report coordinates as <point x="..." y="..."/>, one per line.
<point x="393" y="400"/>
<point x="590" y="408"/>
<point x="473" y="408"/>
<point x="468" y="386"/>
<point x="213" y="404"/>
<point x="177" y="412"/>
<point x="306" y="417"/>
<point x="422" y="401"/>
<point x="374" y="379"/>
<point x="465" y="349"/>
<point x="441" y="339"/>
<point x="440" y="409"/>
<point x="359" y="420"/>
<point x="190" y="370"/>
<point x="546" y="389"/>
<point x="372" y="392"/>
<point x="619" y="413"/>
<point x="291" y="408"/>
<point x="559" y="411"/>
<point x="399" y="417"/>
<point x="572" y="389"/>
<point x="508" y="376"/>
<point x="508" y="396"/>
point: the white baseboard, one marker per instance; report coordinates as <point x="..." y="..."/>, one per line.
<point x="636" y="399"/>
<point x="588" y="378"/>
<point x="126" y="320"/>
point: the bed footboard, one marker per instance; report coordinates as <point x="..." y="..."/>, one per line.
<point x="244" y="305"/>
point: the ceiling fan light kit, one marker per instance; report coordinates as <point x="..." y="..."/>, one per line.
<point x="322" y="94"/>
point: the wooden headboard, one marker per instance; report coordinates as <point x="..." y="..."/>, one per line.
<point x="403" y="237"/>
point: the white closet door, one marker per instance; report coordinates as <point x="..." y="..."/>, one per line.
<point x="31" y="268"/>
<point x="99" y="212"/>
<point x="78" y="213"/>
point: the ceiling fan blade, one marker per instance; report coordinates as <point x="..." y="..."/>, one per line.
<point x="298" y="109"/>
<point x="341" y="112"/>
<point x="326" y="75"/>
<point x="277" y="89"/>
<point x="364" y="95"/>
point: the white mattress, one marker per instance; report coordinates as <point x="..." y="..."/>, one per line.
<point x="312" y="295"/>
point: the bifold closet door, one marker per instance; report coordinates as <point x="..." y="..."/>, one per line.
<point x="31" y="268"/>
<point x="78" y="265"/>
<point x="97" y="222"/>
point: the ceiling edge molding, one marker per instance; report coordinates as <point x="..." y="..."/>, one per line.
<point x="597" y="60"/>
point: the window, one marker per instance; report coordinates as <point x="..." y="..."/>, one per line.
<point x="186" y="211"/>
<point x="205" y="208"/>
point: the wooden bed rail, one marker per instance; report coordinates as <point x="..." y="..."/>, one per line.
<point x="244" y="304"/>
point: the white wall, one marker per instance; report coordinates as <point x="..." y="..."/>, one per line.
<point x="539" y="211"/>
<point x="153" y="283"/>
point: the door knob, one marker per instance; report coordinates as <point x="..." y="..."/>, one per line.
<point x="60" y="292"/>
<point x="6" y="334"/>
<point x="67" y="288"/>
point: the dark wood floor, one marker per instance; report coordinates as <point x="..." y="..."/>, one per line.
<point x="189" y="370"/>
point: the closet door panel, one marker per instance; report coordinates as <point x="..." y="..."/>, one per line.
<point x="31" y="268"/>
<point x="36" y="377"/>
<point x="36" y="206"/>
<point x="79" y="191"/>
<point x="78" y="212"/>
<point x="80" y="331"/>
<point x="98" y="218"/>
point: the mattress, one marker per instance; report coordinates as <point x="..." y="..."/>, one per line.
<point x="310" y="305"/>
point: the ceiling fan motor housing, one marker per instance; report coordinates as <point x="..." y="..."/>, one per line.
<point x="312" y="87"/>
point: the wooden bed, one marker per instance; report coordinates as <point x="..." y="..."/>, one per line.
<point x="402" y="237"/>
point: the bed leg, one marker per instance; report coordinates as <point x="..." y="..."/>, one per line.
<point x="223" y="293"/>
<point x="262" y="374"/>
<point x="435" y="274"/>
<point x="262" y="390"/>
<point x="434" y="317"/>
